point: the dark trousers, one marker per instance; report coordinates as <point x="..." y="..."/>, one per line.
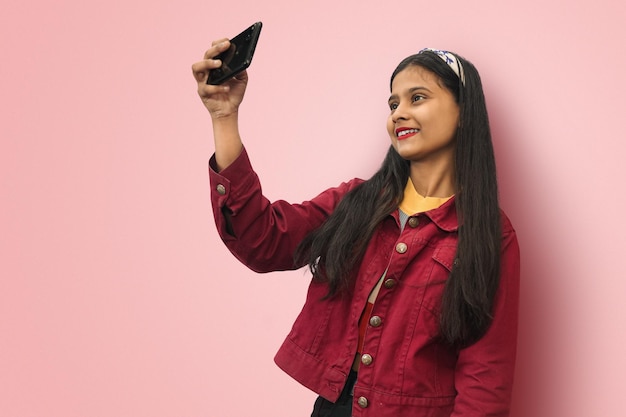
<point x="343" y="406"/>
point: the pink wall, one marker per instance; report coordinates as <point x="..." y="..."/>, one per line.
<point x="117" y="297"/>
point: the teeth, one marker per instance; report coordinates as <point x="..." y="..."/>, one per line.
<point x="407" y="132"/>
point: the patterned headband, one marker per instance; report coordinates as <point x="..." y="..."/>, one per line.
<point x="450" y="59"/>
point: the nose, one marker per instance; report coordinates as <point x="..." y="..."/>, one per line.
<point x="399" y="113"/>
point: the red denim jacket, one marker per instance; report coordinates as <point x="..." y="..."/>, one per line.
<point x="408" y="372"/>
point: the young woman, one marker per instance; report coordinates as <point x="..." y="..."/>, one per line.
<point x="412" y="309"/>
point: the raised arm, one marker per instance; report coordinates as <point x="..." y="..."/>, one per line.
<point x="222" y="102"/>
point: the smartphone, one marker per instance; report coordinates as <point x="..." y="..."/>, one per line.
<point x="238" y="57"/>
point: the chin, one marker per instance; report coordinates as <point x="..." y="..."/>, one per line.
<point x="406" y="153"/>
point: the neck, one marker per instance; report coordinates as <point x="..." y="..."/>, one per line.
<point x="433" y="179"/>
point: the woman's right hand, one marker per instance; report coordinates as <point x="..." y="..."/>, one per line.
<point x="221" y="100"/>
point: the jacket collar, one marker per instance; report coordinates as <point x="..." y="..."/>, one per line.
<point x="441" y="211"/>
<point x="445" y="216"/>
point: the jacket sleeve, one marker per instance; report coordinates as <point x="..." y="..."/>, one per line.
<point x="484" y="371"/>
<point x="263" y="235"/>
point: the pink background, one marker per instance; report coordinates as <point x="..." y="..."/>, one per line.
<point x="117" y="297"/>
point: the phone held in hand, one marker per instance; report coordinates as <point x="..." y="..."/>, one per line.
<point x="238" y="57"/>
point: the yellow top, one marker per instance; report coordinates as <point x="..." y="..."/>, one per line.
<point x="413" y="203"/>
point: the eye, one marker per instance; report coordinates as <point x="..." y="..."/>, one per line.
<point x="417" y="97"/>
<point x="393" y="106"/>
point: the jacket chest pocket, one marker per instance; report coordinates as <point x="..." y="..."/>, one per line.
<point x="430" y="268"/>
<point x="428" y="276"/>
<point x="444" y="256"/>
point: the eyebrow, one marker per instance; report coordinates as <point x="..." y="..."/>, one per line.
<point x="410" y="91"/>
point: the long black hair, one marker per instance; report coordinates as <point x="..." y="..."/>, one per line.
<point x="334" y="250"/>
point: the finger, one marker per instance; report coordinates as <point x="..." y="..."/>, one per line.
<point x="201" y="69"/>
<point x="217" y="47"/>
<point x="242" y="76"/>
<point x="215" y="42"/>
<point x="207" y="90"/>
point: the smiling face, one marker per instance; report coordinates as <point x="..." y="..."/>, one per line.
<point x="424" y="117"/>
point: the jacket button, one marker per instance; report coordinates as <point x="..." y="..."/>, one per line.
<point x="221" y="190"/>
<point x="390" y="283"/>
<point x="375" y="321"/>
<point x="414" y="222"/>
<point x="401" y="247"/>
<point x="362" y="402"/>
<point x="366" y="359"/>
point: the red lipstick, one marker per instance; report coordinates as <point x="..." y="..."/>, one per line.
<point x="406" y="132"/>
